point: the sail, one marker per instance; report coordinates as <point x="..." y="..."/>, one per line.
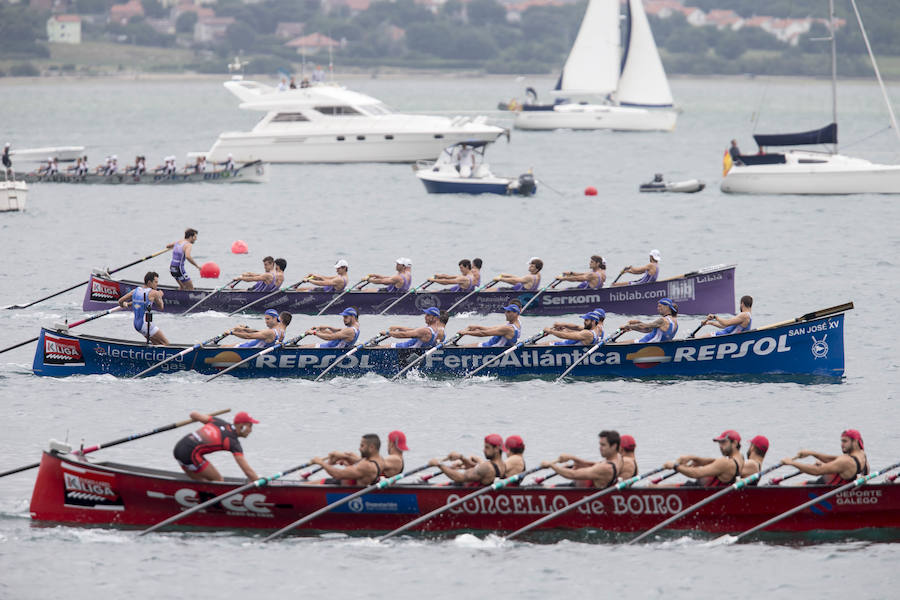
<point x="643" y="80"/>
<point x="592" y="68"/>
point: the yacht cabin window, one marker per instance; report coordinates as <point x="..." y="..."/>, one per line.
<point x="338" y="111"/>
<point x="288" y="117"/>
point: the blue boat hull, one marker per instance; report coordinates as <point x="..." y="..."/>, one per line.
<point x="465" y="187"/>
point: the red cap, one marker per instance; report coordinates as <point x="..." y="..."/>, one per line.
<point x="514" y="442"/>
<point x="853" y="434"/>
<point x="728" y="434"/>
<point x="627" y="442"/>
<point x="761" y="442"/>
<point x="493" y="439"/>
<point x="243" y="417"/>
<point x="399" y="438"/>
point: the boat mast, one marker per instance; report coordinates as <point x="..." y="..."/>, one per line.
<point x="884" y="93"/>
<point x="833" y="69"/>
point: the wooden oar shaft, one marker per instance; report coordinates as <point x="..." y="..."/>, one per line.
<point x="208" y="296"/>
<point x="824" y="312"/>
<point x="539" y="292"/>
<point x="136" y="436"/>
<point x="341" y="295"/>
<point x="70" y="326"/>
<point x="422" y="285"/>
<point x="778" y="480"/>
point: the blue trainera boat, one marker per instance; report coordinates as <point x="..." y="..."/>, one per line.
<point x="811" y="348"/>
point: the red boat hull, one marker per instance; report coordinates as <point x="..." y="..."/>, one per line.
<point x="71" y="491"/>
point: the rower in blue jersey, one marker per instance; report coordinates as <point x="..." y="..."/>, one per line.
<point x="739" y="323"/>
<point x="528" y="283"/>
<point x="573" y="335"/>
<point x="338" y="337"/>
<point x="662" y="329"/>
<point x="398" y="282"/>
<point x="590" y="280"/>
<point x="420" y="337"/>
<point x="464" y="282"/>
<point x="649" y="272"/>
<point x="262" y="338"/>
<point x="181" y="252"/>
<point x="335" y="283"/>
<point x="501" y="335"/>
<point x="142" y="300"/>
<point x="265" y="281"/>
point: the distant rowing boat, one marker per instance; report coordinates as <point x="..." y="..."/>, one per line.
<point x="709" y="290"/>
<point x="814" y="348"/>
<point x="254" y="172"/>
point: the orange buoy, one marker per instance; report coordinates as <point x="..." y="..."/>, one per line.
<point x="239" y="247"/>
<point x="209" y="270"/>
<point x="590" y="191"/>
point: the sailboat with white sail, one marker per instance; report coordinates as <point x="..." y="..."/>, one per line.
<point x="807" y="172"/>
<point x="606" y="84"/>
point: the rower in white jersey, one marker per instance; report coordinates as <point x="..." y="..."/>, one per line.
<point x="649" y="272"/>
<point x="662" y="329"/>
<point x="142" y="300"/>
<point x="528" y="283"/>
<point x="463" y="282"/>
<point x="228" y="164"/>
<point x="739" y="323"/>
<point x="589" y="280"/>
<point x="420" y="337"/>
<point x="398" y="282"/>
<point x="572" y="335"/>
<point x="113" y="167"/>
<point x="181" y="252"/>
<point x="261" y="338"/>
<point x="338" y="337"/>
<point x="334" y="283"/>
<point x="501" y="335"/>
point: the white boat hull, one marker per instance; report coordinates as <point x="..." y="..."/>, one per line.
<point x="597" y="116"/>
<point x="13" y="195"/>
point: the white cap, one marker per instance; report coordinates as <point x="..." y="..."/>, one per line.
<point x="654" y="254"/>
<point x="406" y="262"/>
<point x="6" y="145"/>
<point x="341" y="263"/>
<point x="114" y="157"/>
<point x="534" y="258"/>
<point x="230" y="155"/>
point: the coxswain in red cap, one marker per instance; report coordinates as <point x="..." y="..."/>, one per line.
<point x="473" y="470"/>
<point x="713" y="472"/>
<point x="365" y="469"/>
<point x="756" y="453"/>
<point x="515" y="455"/>
<point x="215" y="435"/>
<point x="601" y="474"/>
<point x="835" y="470"/>
<point x="629" y="462"/>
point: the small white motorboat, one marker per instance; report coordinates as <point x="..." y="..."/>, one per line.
<point x="13" y="195"/>
<point x="460" y="169"/>
<point x="689" y="186"/>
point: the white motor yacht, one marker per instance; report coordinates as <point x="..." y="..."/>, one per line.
<point x="331" y="124"/>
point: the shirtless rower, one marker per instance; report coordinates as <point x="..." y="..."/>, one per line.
<point x="756" y="454"/>
<point x="475" y="472"/>
<point x="462" y="282"/>
<point x="398" y="282"/>
<point x="215" y="435"/>
<point x="587" y="335"/>
<point x="261" y="338"/>
<point x="601" y="474"/>
<point x="181" y="251"/>
<point x="420" y="337"/>
<point x="629" y="460"/>
<point x="335" y="283"/>
<point x="141" y="299"/>
<point x="662" y="329"/>
<point x="590" y="280"/>
<point x="713" y="472"/>
<point x="515" y="455"/>
<point x="835" y="470"/>
<point x="338" y="337"/>
<point x="366" y="471"/>
<point x="739" y="323"/>
<point x="501" y="335"/>
<point x="529" y="283"/>
<point x="393" y="462"/>
<point x="476" y="271"/>
<point x="265" y="281"/>
<point x="650" y="271"/>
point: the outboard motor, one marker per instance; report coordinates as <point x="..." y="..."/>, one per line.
<point x="527" y="185"/>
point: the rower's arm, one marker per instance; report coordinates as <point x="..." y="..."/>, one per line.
<point x="583" y="335"/>
<point x="823" y="468"/>
<point x="330" y="334"/>
<point x="595" y="471"/>
<point x="360" y="470"/>
<point x="728" y="321"/>
<point x="513" y="279"/>
<point x="187" y="254"/>
<point x="817" y="455"/>
<point x="637" y="270"/>
<point x="504" y="330"/>
<point x="712" y="469"/>
<point x="267" y="335"/>
<point x="245" y="467"/>
<point x="408" y="332"/>
<point x="157" y="297"/>
<point x="198" y="416"/>
<point x="645" y="327"/>
<point x="124" y="299"/>
<point x="383" y="280"/>
<point x="578" y="463"/>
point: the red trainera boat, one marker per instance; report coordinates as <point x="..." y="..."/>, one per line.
<point x="71" y="490"/>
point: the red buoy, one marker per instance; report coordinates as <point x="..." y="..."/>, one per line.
<point x="209" y="270"/>
<point x="239" y="247"/>
<point x="590" y="191"/>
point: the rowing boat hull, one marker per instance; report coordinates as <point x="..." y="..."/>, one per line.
<point x="711" y="291"/>
<point x="70" y="491"/>
<point x="810" y="349"/>
<point x="256" y="172"/>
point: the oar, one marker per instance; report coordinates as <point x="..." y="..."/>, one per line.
<point x="352" y="351"/>
<point x="131" y="264"/>
<point x="552" y="284"/>
<point x="778" y="480"/>
<point x="267" y="296"/>
<point x="210" y="295"/>
<point x="341" y="295"/>
<point x="70" y="326"/>
<point x="475" y="291"/>
<point x="739" y="484"/>
<point x="268" y="350"/>
<point x="824" y="312"/>
<point x="616" y="488"/>
<point x="592" y="349"/>
<point x="856" y="483"/>
<point x="310" y="473"/>
<point x="540" y="480"/>
<point x="421" y="286"/>
<point x="619" y="276"/>
<point x="699" y="327"/>
<point x="430" y="351"/>
<point x="253" y="484"/>
<point x="380" y="485"/>
<point x="130" y="438"/>
<point x="502" y="483"/>
<point x="185" y="352"/>
<point x="656" y="480"/>
<point x="493" y="359"/>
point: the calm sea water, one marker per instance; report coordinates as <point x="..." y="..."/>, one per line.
<point x="794" y="255"/>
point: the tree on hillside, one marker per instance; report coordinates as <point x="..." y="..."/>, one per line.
<point x="185" y="22"/>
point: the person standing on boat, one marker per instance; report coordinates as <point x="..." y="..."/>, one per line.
<point x="591" y="280"/>
<point x="335" y="283"/>
<point x="835" y="470"/>
<point x="629" y="460"/>
<point x="502" y="336"/>
<point x="460" y="283"/>
<point x="756" y="454"/>
<point x="650" y="271"/>
<point x="739" y="323"/>
<point x="265" y="281"/>
<point x="227" y="164"/>
<point x="338" y="337"/>
<point x="735" y="153"/>
<point x="366" y="471"/>
<point x="713" y="472"/>
<point x="572" y="335"/>
<point x="419" y="337"/>
<point x="515" y="455"/>
<point x="141" y="299"/>
<point x="181" y="252"/>
<point x="261" y="338"/>
<point x="318" y="75"/>
<point x="7" y="162"/>
<point x="662" y="329"/>
<point x="475" y="472"/>
<point x="585" y="473"/>
<point x="465" y="160"/>
<point x="398" y="282"/>
<point x="216" y="435"/>
<point x="528" y="283"/>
